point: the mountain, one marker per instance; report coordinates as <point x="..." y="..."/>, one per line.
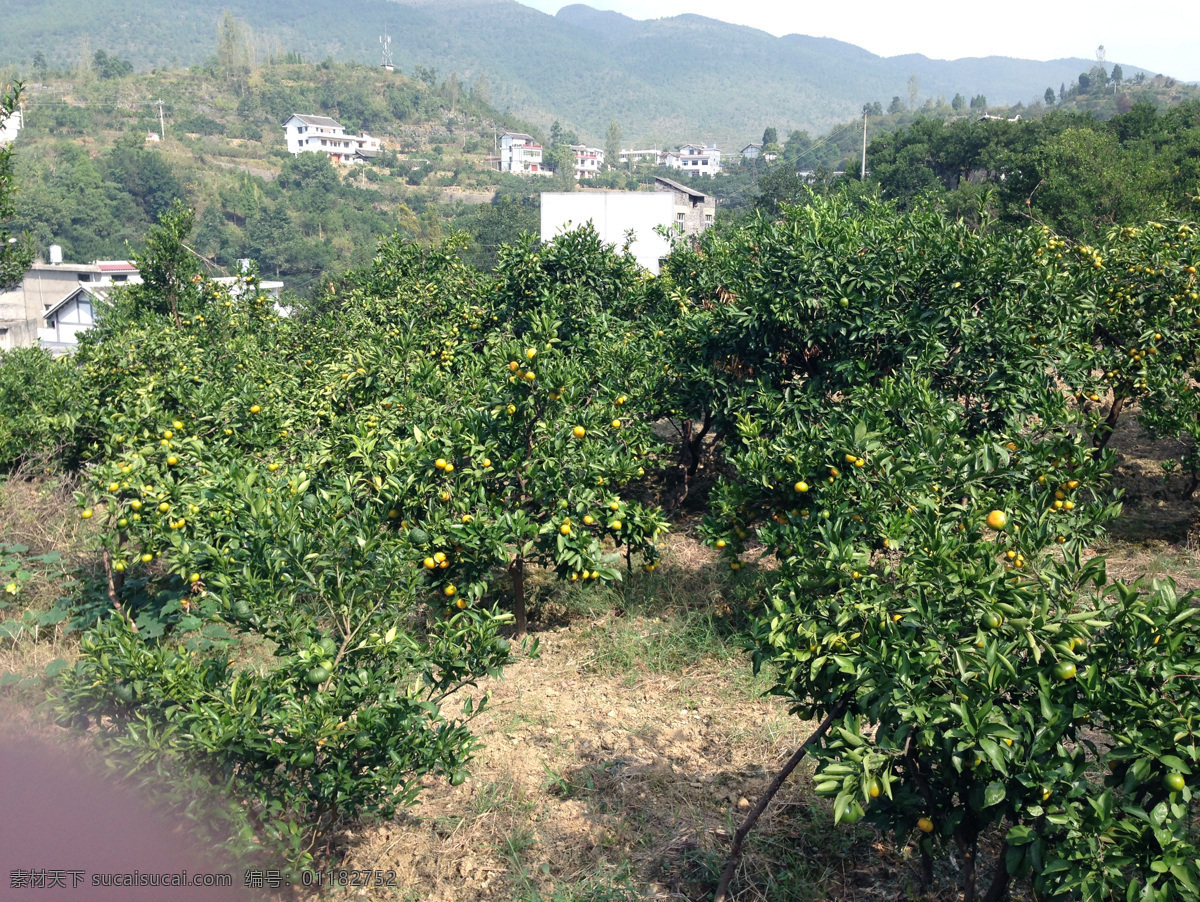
<point x="664" y="81"/>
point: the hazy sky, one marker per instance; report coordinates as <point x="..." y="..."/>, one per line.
<point x="1162" y="36"/>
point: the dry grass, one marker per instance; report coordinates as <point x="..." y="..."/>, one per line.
<point x="40" y="515"/>
<point x="618" y="763"/>
<point x="1156" y="534"/>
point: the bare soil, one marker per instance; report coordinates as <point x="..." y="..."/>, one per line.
<point x="614" y="777"/>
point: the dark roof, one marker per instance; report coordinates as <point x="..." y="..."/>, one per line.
<point x="678" y="187"/>
<point x="322" y="121"/>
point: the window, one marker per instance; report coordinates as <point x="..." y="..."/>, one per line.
<point x="679" y="217"/>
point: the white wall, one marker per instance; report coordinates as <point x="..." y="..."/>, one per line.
<point x="612" y="213"/>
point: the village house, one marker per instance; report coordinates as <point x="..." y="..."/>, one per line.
<point x="753" y="151"/>
<point x="693" y="210"/>
<point x="320" y="134"/>
<point x="520" y="153"/>
<point x="640" y="156"/>
<point x="589" y="161"/>
<point x="695" y="158"/>
<point x="10" y="127"/>
<point x="56" y="300"/>
<point x="640" y="220"/>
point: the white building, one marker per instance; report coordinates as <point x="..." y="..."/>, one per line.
<point x="10" y="127"/>
<point x="750" y="151"/>
<point x="641" y="156"/>
<point x="74" y="313"/>
<point x="320" y="134"/>
<point x="520" y="153"/>
<point x="589" y="161"/>
<point x="613" y="214"/>
<point x="55" y="300"/>
<point x="693" y="158"/>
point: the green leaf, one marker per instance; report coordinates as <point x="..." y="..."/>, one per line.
<point x="994" y="794"/>
<point x="1020" y="835"/>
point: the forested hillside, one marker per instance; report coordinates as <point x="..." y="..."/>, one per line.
<point x="668" y="80"/>
<point x="88" y="180"/>
<point x="1077" y="174"/>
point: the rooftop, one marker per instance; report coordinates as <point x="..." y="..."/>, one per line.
<point x="670" y="183"/>
<point x="321" y="121"/>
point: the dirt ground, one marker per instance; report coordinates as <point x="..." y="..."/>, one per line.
<point x="600" y="774"/>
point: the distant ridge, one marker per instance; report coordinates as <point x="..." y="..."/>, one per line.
<point x="662" y="80"/>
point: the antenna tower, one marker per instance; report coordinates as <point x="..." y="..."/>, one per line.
<point x="386" y="40"/>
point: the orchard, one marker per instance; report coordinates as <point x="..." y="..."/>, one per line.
<point x="911" y="418"/>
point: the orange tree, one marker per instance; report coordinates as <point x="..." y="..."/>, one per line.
<point x="542" y="422"/>
<point x="933" y="594"/>
<point x="215" y="434"/>
<point x="845" y="291"/>
<point x="353" y="486"/>
<point x="1138" y="330"/>
<point x="889" y="389"/>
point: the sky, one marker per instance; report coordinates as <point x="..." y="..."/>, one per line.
<point x="1160" y="36"/>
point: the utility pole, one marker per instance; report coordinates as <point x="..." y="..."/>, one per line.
<point x="863" y="173"/>
<point x="162" y="129"/>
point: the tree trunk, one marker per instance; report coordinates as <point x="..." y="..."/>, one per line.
<point x="690" y="451"/>
<point x="1105" y="432"/>
<point x="926" y="868"/>
<point x="516" y="571"/>
<point x="735" y="849"/>
<point x="999" y="888"/>
<point x="967" y="849"/>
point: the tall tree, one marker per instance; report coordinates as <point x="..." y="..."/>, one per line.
<point x="958" y="102"/>
<point x="235" y="52"/>
<point x="897" y="105"/>
<point x="1049" y="96"/>
<point x="770" y="136"/>
<point x="1118" y="75"/>
<point x="15" y="255"/>
<point x="914" y="90"/>
<point x="612" y="145"/>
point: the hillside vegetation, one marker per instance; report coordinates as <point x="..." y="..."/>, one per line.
<point x="88" y="180"/>
<point x="684" y="78"/>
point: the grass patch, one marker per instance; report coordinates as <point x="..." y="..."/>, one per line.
<point x="42" y="544"/>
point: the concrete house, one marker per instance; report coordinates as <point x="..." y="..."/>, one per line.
<point x="320" y="134"/>
<point x="46" y="304"/>
<point x="695" y="158"/>
<point x="589" y="161"/>
<point x="10" y="127"/>
<point x="613" y="214"/>
<point x="692" y="211"/>
<point x="520" y="153"/>
<point x="633" y="155"/>
<point x="73" y="314"/>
